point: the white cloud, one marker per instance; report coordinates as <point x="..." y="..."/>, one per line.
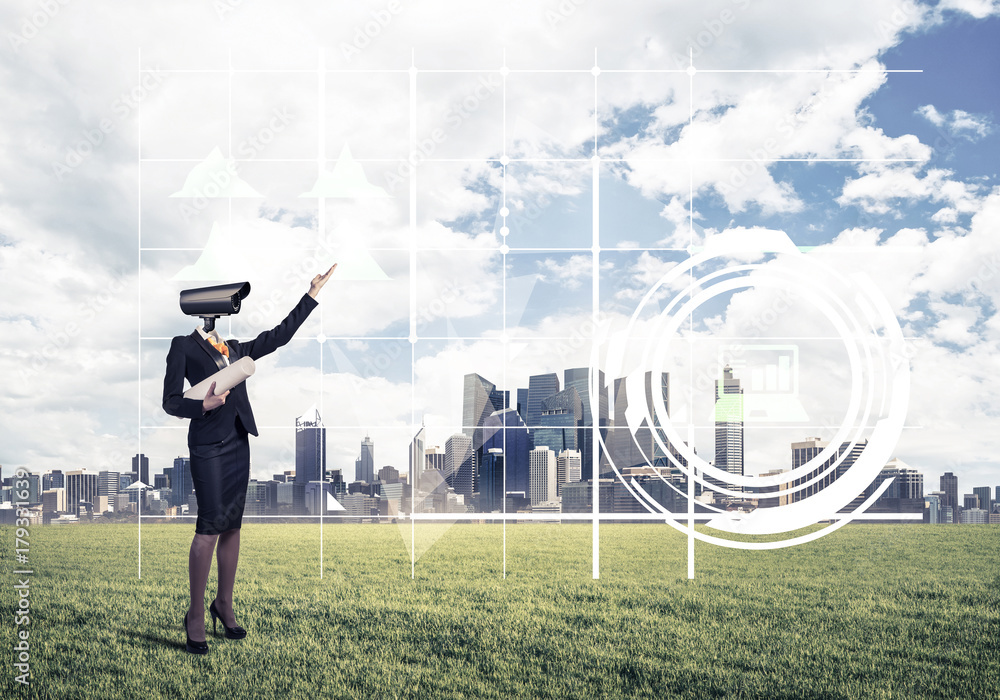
<point x="740" y="130"/>
<point x="977" y="8"/>
<point x="571" y="272"/>
<point x="955" y="323"/>
<point x="958" y="122"/>
<point x="882" y="192"/>
<point x="66" y="243"/>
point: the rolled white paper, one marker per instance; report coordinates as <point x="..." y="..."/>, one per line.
<point x="225" y="379"/>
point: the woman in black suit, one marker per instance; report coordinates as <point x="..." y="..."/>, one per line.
<point x="220" y="456"/>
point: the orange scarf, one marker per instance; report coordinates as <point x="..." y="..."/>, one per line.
<point x="220" y="346"/>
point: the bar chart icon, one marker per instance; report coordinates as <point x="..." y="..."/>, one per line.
<point x="770" y="375"/>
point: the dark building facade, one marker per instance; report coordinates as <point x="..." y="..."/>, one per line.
<point x="310" y="447"/>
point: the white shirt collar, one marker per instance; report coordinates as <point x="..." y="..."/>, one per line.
<point x="215" y="336"/>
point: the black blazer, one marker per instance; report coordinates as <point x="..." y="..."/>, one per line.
<point x="193" y="358"/>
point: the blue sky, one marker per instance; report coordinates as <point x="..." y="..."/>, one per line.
<point x="73" y="279"/>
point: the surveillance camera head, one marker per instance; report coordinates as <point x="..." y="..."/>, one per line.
<point x="212" y="302"/>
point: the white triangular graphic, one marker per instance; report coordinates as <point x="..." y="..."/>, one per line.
<point x="419" y="537"/>
<point x="220" y="259"/>
<point x="347" y="181"/>
<point x="332" y="503"/>
<point x="518" y="293"/>
<point x="357" y="264"/>
<point x="215" y="177"/>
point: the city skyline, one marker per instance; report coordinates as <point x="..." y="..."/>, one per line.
<point x="500" y="275"/>
<point x="474" y="461"/>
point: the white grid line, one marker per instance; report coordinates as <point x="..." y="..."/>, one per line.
<point x="536" y="70"/>
<point x="413" y="250"/>
<point x="506" y="356"/>
<point x="595" y="318"/>
<point x="321" y="226"/>
<point x="138" y="230"/>
<point x="414" y="487"/>
<point x="691" y="488"/>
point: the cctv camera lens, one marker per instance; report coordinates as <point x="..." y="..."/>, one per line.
<point x="236" y="303"/>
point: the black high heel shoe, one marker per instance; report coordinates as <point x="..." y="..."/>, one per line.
<point x="192" y="646"/>
<point x="235" y="632"/>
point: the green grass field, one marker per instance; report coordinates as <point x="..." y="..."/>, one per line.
<point x="882" y="611"/>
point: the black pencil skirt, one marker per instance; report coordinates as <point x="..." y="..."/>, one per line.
<point x="220" y="473"/>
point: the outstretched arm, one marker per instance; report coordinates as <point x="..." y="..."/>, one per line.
<point x="319" y="280"/>
<point x="269" y="341"/>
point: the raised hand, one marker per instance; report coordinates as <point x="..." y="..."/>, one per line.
<point x="319" y="280"/>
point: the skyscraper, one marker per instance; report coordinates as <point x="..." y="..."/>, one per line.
<point x="53" y="480"/>
<point x="315" y="497"/>
<point x="560" y="422"/>
<point x="256" y="498"/>
<point x="140" y="465"/>
<point x="543" y="475"/>
<point x="949" y="484"/>
<point x="364" y="465"/>
<point x="291" y="498"/>
<point x="932" y="508"/>
<point x="645" y="438"/>
<point x="540" y="387"/>
<point x="434" y="459"/>
<point x="34" y="490"/>
<point x="480" y="398"/>
<point x="985" y="502"/>
<point x="108" y="483"/>
<point x="418" y="458"/>
<point x="568" y="468"/>
<point x="624" y="451"/>
<point x="904" y="493"/>
<point x="460" y="464"/>
<point x="181" y="485"/>
<point x="579" y="379"/>
<point x="506" y="431"/>
<point x="803" y="452"/>
<point x="728" y="427"/>
<point x="81" y="487"/>
<point x="125" y="480"/>
<point x="491" y="491"/>
<point x="388" y="475"/>
<point x="636" y="445"/>
<point x="522" y="404"/>
<point x="310" y="447"/>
